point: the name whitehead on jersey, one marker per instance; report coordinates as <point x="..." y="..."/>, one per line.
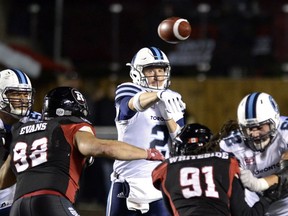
<point x="33" y="128"/>
<point x="223" y="155"/>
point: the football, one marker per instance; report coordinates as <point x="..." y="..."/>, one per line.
<point x="174" y="29"/>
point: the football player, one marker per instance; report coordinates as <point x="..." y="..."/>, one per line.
<point x="148" y="114"/>
<point x="260" y="145"/>
<point x="47" y="157"/>
<point x="198" y="179"/>
<point x="16" y="100"/>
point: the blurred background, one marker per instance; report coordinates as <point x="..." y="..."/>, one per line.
<point x="236" y="47"/>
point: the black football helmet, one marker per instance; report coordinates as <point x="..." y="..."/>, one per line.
<point x="64" y="101"/>
<point x="192" y="139"/>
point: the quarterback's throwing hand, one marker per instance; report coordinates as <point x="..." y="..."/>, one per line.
<point x="154" y="154"/>
<point x="171" y="105"/>
<point x="172" y="100"/>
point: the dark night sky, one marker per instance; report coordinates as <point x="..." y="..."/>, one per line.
<point x="93" y="37"/>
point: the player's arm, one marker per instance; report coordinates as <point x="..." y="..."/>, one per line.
<point x="257" y="184"/>
<point x="173" y="128"/>
<point x="89" y="145"/>
<point x="7" y="177"/>
<point x="261" y="184"/>
<point x="142" y="100"/>
<point x="238" y="205"/>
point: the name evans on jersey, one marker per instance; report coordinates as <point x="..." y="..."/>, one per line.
<point x="33" y="128"/>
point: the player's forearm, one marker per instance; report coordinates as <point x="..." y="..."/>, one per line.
<point x="121" y="151"/>
<point x="173" y="128"/>
<point x="144" y="100"/>
<point x="89" y="145"/>
<point x="7" y="177"/>
<point x="271" y="180"/>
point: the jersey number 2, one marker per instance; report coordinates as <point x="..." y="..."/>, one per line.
<point x="191" y="184"/>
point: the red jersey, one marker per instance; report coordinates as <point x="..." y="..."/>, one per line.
<point x="45" y="158"/>
<point x="206" y="184"/>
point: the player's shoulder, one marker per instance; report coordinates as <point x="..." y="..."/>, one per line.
<point x="129" y="86"/>
<point x="33" y="116"/>
<point x="283" y="123"/>
<point x="283" y="127"/>
<point x="160" y="168"/>
<point x="127" y="89"/>
<point x="232" y="142"/>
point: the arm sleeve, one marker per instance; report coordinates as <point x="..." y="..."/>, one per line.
<point x="238" y="205"/>
<point x="124" y="111"/>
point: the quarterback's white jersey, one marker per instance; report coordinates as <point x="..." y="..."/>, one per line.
<point x="145" y="129"/>
<point x="261" y="163"/>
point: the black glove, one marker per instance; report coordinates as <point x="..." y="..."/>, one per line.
<point x="280" y="190"/>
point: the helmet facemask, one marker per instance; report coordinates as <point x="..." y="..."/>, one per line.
<point x="145" y="58"/>
<point x="258" y="115"/>
<point x="17" y="101"/>
<point x="139" y="77"/>
<point x="16" y="93"/>
<point x="261" y="142"/>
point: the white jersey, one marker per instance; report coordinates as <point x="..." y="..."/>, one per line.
<point x="261" y="163"/>
<point x="6" y="197"/>
<point x="144" y="129"/>
<point x="7" y="194"/>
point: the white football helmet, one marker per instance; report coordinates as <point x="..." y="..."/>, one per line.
<point x="255" y="110"/>
<point x="13" y="85"/>
<point x="146" y="57"/>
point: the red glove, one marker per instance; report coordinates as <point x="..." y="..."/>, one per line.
<point x="154" y="154"/>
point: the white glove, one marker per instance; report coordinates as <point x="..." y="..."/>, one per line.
<point x="167" y="114"/>
<point x="172" y="101"/>
<point x="251" y="182"/>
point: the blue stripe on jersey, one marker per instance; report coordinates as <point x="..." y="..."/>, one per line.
<point x="21" y="77"/>
<point x="250" y="109"/>
<point x="126" y="90"/>
<point x="156" y="53"/>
